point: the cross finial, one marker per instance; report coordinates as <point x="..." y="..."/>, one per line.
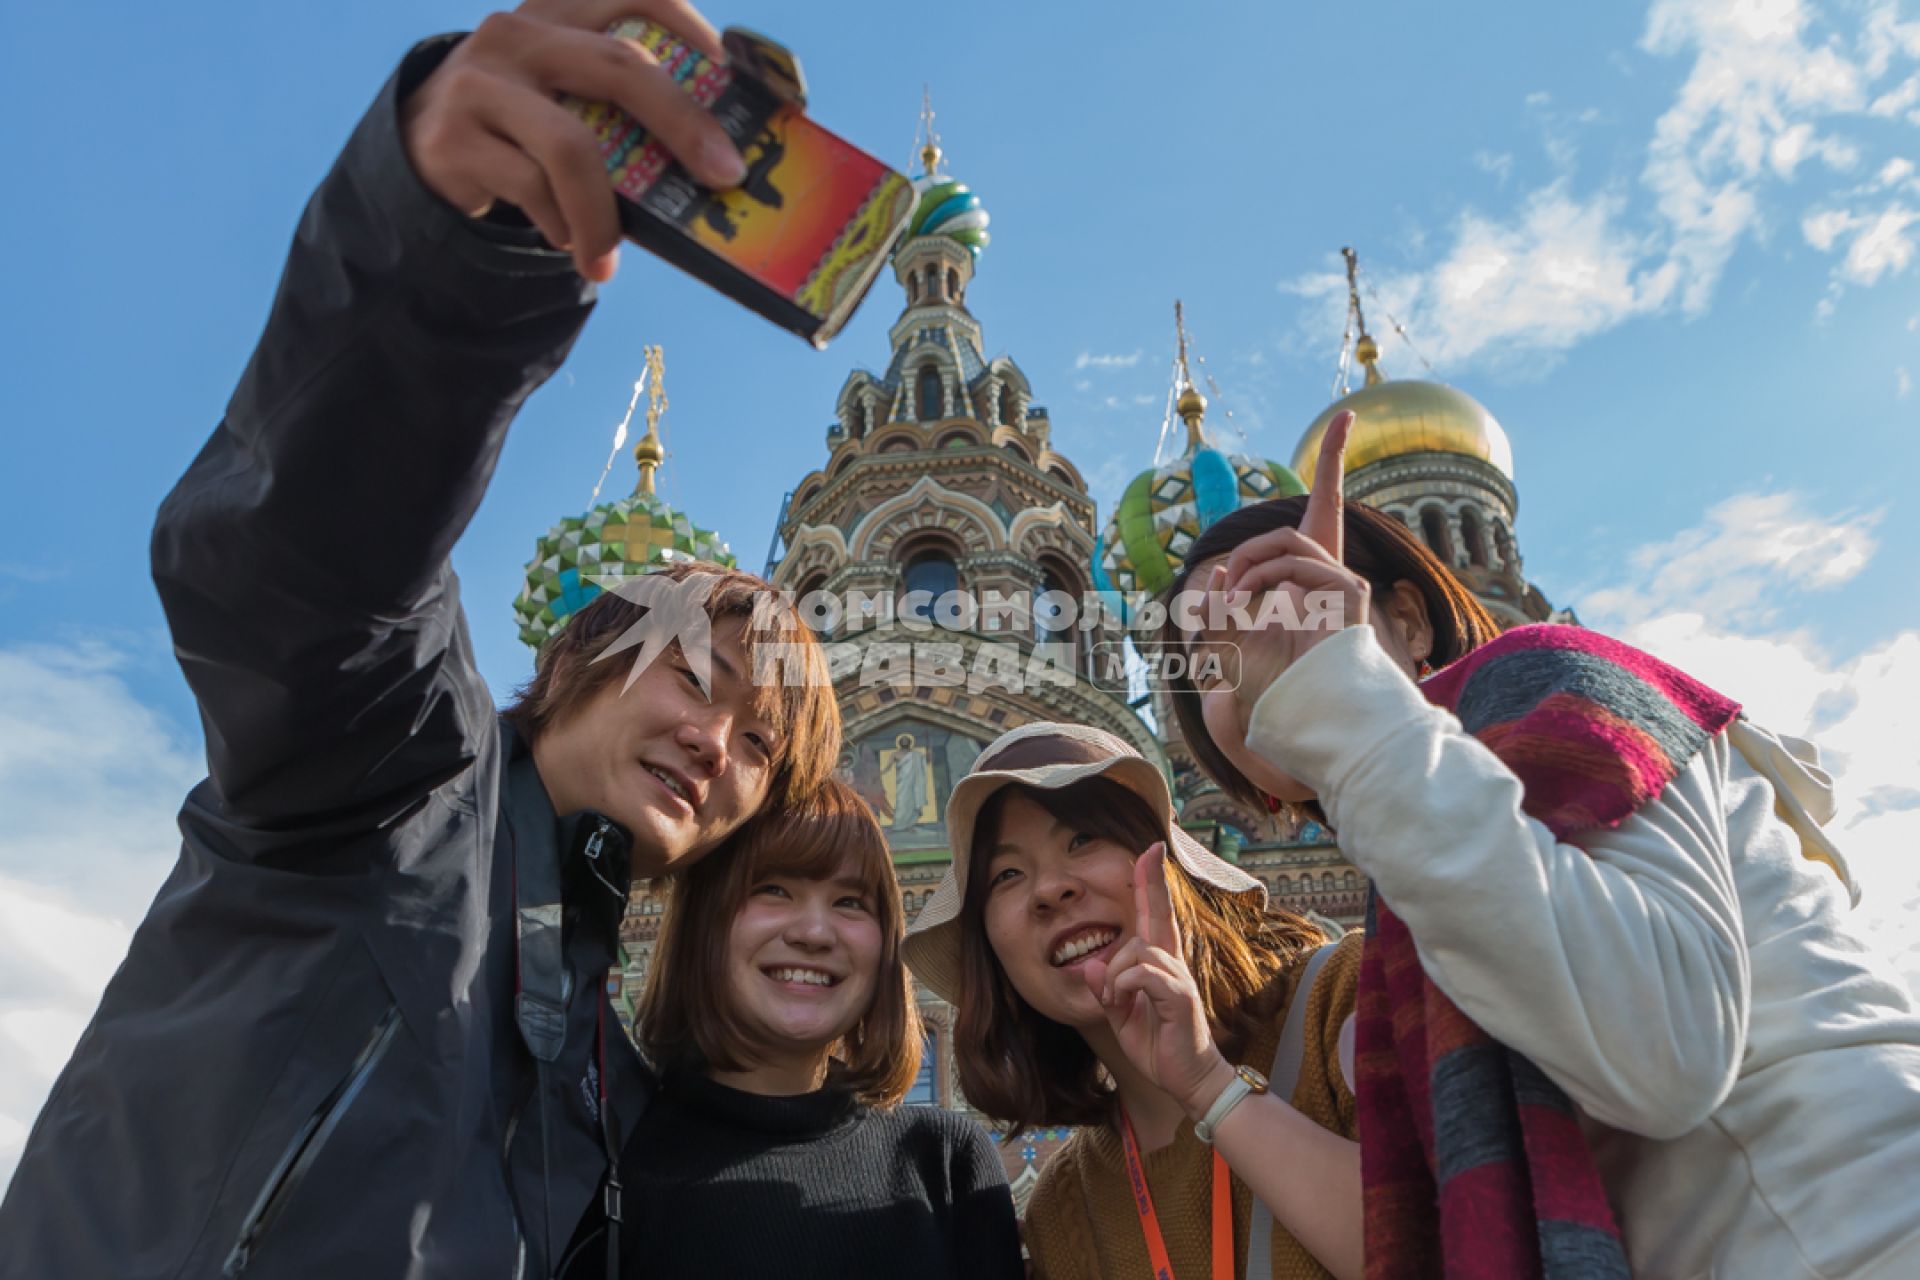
<point x="650" y="453"/>
<point x="930" y="153"/>
<point x="1190" y="404"/>
<point x="1365" y="349"/>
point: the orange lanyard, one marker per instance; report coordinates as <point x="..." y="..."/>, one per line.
<point x="1150" y="1220"/>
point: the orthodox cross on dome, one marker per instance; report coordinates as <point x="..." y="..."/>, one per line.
<point x="1365" y="349"/>
<point x="1184" y="395"/>
<point x="650" y="453"/>
<point x="1188" y="402"/>
<point x="926" y="140"/>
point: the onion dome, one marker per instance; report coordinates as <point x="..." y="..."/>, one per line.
<point x="947" y="208"/>
<point x="624" y="538"/>
<point x="1394" y="417"/>
<point x="1165" y="508"/>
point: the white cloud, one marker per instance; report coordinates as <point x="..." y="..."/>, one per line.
<point x="1880" y="230"/>
<point x="1711" y="600"/>
<point x="1088" y="360"/>
<point x="1741" y="564"/>
<point x="90" y="781"/>
<point x="1901" y="99"/>
<point x="1561" y="271"/>
<point x="1902" y="382"/>
<point x="1750" y="103"/>
<point x="1878" y="244"/>
<point x="1500" y="164"/>
<point x="1770" y="87"/>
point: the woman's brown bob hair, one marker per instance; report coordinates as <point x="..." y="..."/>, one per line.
<point x="1378" y="548"/>
<point x="1026" y="1069"/>
<point x="797" y="701"/>
<point x="686" y="1019"/>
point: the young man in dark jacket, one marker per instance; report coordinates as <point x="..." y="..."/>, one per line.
<point x="363" y="1031"/>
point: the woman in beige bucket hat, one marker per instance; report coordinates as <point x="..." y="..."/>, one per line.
<point x="1110" y="972"/>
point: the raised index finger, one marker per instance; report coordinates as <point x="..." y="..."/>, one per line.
<point x="1152" y="902"/>
<point x="1325" y="521"/>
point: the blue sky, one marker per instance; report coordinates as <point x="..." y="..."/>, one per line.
<point x="1671" y="245"/>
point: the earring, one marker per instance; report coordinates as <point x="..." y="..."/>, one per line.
<point x="1426" y="668"/>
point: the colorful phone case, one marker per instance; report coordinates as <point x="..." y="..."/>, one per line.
<point x="804" y="237"/>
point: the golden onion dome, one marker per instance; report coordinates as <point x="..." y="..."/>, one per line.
<point x="1395" y="417"/>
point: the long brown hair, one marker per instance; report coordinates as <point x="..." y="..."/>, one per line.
<point x="797" y="700"/>
<point x="1025" y="1069"/>
<point x="1378" y="548"/>
<point x="686" y="1020"/>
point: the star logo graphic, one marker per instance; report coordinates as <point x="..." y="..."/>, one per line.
<point x="676" y="611"/>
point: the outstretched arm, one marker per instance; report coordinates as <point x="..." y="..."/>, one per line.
<point x="303" y="559"/>
<point x="1619" y="967"/>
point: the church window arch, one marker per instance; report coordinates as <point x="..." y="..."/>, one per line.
<point x="1056" y="607"/>
<point x="927" y="566"/>
<point x="953" y="284"/>
<point x="913" y="288"/>
<point x="814" y="582"/>
<point x="1009" y="407"/>
<point x="1433" y="527"/>
<point x="930" y="395"/>
<point x="1474" y="535"/>
<point x="1503" y="545"/>
<point x="1017" y="450"/>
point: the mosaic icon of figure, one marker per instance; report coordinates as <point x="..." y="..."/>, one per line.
<point x="910" y="768"/>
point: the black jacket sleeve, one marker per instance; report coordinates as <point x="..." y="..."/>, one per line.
<point x="303" y="559"/>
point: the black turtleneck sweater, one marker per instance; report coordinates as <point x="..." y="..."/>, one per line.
<point x="722" y="1184"/>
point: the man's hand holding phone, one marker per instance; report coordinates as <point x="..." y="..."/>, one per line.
<point x="487" y="125"/>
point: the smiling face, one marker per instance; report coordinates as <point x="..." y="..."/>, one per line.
<point x="803" y="963"/>
<point x="781" y="946"/>
<point x="677" y="769"/>
<point x="1054" y="896"/>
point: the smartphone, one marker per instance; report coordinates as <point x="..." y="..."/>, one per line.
<point x="803" y="238"/>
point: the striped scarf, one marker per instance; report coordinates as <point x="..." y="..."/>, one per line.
<point x="1473" y="1161"/>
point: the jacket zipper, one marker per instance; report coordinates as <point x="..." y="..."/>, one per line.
<point x="306" y="1145"/>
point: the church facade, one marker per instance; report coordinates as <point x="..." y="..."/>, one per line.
<point x="939" y="489"/>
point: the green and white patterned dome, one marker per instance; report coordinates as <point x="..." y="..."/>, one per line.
<point x="1166" y="508"/>
<point x="625" y="538"/>
<point x="614" y="540"/>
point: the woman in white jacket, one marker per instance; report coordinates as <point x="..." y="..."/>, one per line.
<point x="1613" y="878"/>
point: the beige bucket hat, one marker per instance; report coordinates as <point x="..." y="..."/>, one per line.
<point x="1048" y="756"/>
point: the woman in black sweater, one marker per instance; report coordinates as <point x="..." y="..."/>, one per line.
<point x="781" y="1023"/>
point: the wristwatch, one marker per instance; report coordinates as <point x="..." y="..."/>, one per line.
<point x="1245" y="1081"/>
